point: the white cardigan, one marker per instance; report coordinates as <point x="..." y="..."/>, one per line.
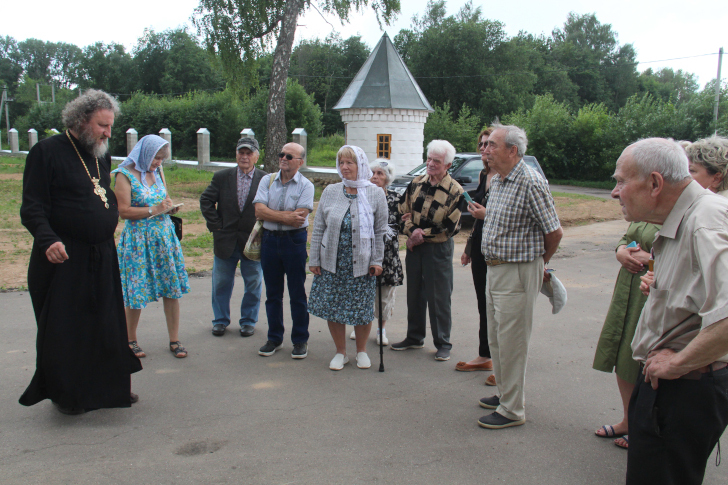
<point x="327" y="224"/>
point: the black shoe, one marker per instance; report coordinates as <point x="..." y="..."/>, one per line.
<point x="496" y="421"/>
<point x="218" y="330"/>
<point x="491" y="402"/>
<point x="300" y="350"/>
<point x="247" y="331"/>
<point x="269" y="348"/>
<point x="407" y="344"/>
<point x="442" y="354"/>
<point x="134" y="398"/>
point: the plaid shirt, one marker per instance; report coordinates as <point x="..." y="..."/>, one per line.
<point x="520" y="211"/>
<point x="435" y="209"/>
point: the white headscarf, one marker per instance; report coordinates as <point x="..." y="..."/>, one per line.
<point x="363" y="174"/>
<point x="142" y="156"/>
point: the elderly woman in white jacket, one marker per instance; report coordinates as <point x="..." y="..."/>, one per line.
<point x="347" y="248"/>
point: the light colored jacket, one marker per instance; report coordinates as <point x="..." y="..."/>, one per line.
<point x="327" y="224"/>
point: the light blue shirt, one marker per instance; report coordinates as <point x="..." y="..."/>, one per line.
<point x="297" y="193"/>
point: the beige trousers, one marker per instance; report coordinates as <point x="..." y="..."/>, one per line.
<point x="510" y="292"/>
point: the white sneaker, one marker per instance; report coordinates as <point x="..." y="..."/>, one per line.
<point x="385" y="340"/>
<point x="362" y="360"/>
<point x="338" y="362"/>
<point x="353" y="335"/>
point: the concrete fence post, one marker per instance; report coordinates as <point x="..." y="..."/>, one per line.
<point x="132" y="137"/>
<point x="32" y="137"/>
<point x="167" y="135"/>
<point x="301" y="137"/>
<point x="13" y="140"/>
<point x="53" y="131"/>
<point x="203" y="147"/>
<point x="247" y="132"/>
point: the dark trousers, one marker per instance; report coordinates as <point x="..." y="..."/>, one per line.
<point x="285" y="256"/>
<point x="479" y="269"/>
<point x="673" y="429"/>
<point x="429" y="284"/>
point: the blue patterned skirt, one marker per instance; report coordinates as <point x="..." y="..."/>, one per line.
<point x="340" y="297"/>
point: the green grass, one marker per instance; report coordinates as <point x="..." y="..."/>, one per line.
<point x="608" y="184"/>
<point x="10" y="199"/>
<point x="192" y="245"/>
<point x="12" y="164"/>
<point x="575" y="196"/>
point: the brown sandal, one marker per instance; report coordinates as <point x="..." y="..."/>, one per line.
<point x="138" y="352"/>
<point x="177" y="349"/>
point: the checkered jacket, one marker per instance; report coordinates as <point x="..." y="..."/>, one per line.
<point x="436" y="209"/>
<point x="520" y="211"/>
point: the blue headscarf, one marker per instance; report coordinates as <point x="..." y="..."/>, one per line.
<point x="142" y="156"/>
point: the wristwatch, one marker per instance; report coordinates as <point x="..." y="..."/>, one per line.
<point x="150" y="211"/>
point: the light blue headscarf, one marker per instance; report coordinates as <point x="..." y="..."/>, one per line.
<point x="142" y="155"/>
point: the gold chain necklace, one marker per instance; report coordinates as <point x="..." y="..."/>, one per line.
<point x="98" y="189"/>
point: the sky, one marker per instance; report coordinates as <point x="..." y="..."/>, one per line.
<point x="667" y="31"/>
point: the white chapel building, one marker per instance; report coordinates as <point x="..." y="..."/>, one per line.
<point x="384" y="110"/>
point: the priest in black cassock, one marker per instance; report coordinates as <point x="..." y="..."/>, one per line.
<point x="83" y="359"/>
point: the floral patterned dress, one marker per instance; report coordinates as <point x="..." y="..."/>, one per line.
<point x="150" y="256"/>
<point x="339" y="297"/>
<point x="392" y="274"/>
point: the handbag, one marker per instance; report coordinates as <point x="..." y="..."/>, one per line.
<point x="255" y="239"/>
<point x="176" y="220"/>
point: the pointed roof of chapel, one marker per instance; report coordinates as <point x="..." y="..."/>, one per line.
<point x="384" y="82"/>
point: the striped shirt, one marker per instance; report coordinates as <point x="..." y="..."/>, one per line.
<point x="245" y="180"/>
<point x="435" y="209"/>
<point x="520" y="211"/>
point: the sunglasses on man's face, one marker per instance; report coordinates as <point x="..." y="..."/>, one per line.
<point x="288" y="156"/>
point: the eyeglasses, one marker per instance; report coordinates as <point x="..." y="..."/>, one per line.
<point x="288" y="156"/>
<point x="481" y="144"/>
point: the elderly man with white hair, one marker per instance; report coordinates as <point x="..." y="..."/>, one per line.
<point x="431" y="208"/>
<point x="520" y="234"/>
<point x="679" y="407"/>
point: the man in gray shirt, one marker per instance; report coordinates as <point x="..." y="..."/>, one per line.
<point x="284" y="206"/>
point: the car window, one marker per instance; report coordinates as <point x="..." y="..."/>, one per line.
<point x="472" y="169"/>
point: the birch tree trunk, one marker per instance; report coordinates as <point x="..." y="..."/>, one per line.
<point x="276" y="135"/>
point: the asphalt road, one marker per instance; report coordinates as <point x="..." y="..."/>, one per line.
<point x="227" y="415"/>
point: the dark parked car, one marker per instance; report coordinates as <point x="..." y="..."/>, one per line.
<point x="465" y="170"/>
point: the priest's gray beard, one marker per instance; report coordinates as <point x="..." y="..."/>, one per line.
<point x="93" y="145"/>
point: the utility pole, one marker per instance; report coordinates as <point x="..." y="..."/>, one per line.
<point x="717" y="90"/>
<point x="37" y="92"/>
<point x="53" y="92"/>
<point x="7" y="116"/>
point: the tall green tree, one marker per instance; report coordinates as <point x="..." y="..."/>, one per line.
<point x="604" y="71"/>
<point x="107" y="67"/>
<point x="239" y="30"/>
<point x="172" y="62"/>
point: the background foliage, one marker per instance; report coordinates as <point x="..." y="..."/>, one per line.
<point x="577" y="91"/>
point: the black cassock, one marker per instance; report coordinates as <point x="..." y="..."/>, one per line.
<point x="83" y="357"/>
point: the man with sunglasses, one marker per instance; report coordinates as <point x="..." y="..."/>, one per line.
<point x="227" y="206"/>
<point x="284" y="205"/>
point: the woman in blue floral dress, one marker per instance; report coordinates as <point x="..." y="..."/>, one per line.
<point x="347" y="249"/>
<point x="150" y="256"/>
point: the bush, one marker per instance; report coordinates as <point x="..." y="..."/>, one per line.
<point x="462" y="133"/>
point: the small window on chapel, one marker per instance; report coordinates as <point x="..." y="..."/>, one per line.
<point x="384" y="146"/>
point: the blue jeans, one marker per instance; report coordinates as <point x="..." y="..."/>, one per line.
<point x="285" y="256"/>
<point x="223" y="280"/>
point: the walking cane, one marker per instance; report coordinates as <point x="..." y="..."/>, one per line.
<point x="381" y="336"/>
